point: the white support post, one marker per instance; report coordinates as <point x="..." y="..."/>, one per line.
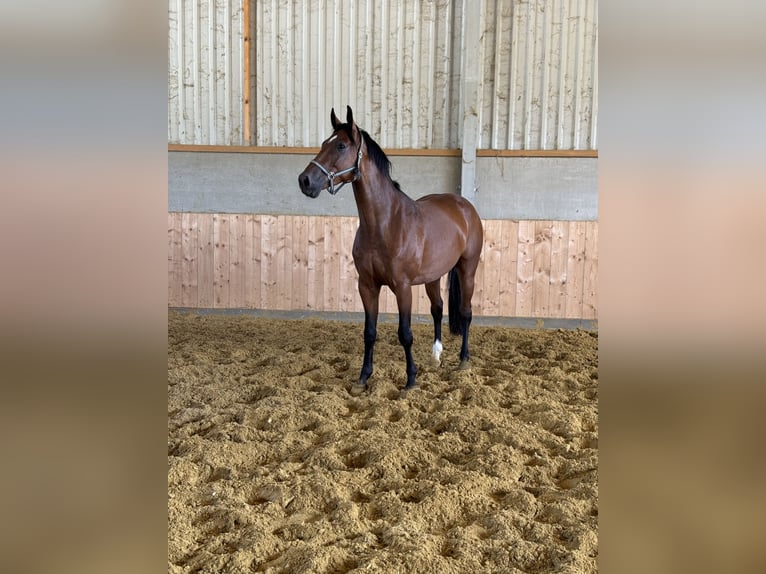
<point x="471" y="92"/>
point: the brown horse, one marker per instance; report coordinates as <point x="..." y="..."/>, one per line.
<point x="400" y="242"/>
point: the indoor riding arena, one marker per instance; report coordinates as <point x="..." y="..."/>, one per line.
<point x="275" y="463"/>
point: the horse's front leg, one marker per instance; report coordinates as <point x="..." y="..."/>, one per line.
<point x="404" y="302"/>
<point x="370" y="294"/>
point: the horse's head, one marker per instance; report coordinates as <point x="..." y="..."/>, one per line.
<point x="338" y="160"/>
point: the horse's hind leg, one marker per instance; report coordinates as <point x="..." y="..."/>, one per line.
<point x="466" y="270"/>
<point x="433" y="290"/>
<point x="370" y="299"/>
<point x="461" y="284"/>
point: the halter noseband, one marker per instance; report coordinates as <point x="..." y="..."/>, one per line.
<point x="331" y="175"/>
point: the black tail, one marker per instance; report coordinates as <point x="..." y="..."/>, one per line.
<point x="454" y="302"/>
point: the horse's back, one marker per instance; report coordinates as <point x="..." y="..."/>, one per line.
<point x="456" y="207"/>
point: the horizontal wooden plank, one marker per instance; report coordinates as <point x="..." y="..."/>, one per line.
<point x="536" y="153"/>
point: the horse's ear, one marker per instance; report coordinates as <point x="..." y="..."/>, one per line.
<point x="334" y="121"/>
<point x="349" y="116"/>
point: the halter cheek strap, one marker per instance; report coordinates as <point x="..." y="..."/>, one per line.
<point x="331" y="175"/>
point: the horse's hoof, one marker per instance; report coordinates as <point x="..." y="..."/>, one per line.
<point x="357" y="389"/>
<point x="464" y="364"/>
<point x="407" y="388"/>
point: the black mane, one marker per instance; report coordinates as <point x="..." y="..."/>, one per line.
<point x="376" y="154"/>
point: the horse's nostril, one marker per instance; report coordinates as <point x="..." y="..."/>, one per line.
<point x="303" y="180"/>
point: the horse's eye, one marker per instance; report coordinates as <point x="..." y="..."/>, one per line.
<point x="341" y="146"/>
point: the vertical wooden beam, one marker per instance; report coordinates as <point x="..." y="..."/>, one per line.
<point x="590" y="273"/>
<point x="493" y="257"/>
<point x="471" y="73"/>
<point x="221" y="261"/>
<point x="246" y="80"/>
<point x="284" y="285"/>
<point x="269" y="280"/>
<point x="525" y="269"/>
<point x="387" y="301"/>
<point x="348" y="289"/>
<point x="253" y="262"/>
<point x="205" y="261"/>
<point x="315" y="264"/>
<point x="542" y="268"/>
<point x="418" y="300"/>
<point x="576" y="269"/>
<point x="478" y="300"/>
<point x="237" y="260"/>
<point x="300" y="262"/>
<point x="510" y="251"/>
<point x="175" y="257"/>
<point x="189" y="252"/>
<point x="331" y="264"/>
<point x="558" y="288"/>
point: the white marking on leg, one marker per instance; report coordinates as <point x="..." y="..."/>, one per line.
<point x="436" y="351"/>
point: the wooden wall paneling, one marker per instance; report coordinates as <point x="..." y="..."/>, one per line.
<point x="393" y="306"/>
<point x="347" y="278"/>
<point x="416" y="304"/>
<point x="175" y="258"/>
<point x="442" y="281"/>
<point x="237" y="247"/>
<point x="268" y="262"/>
<point x="190" y="250"/>
<point x="425" y="301"/>
<point x="284" y="285"/>
<point x="542" y="266"/>
<point x="575" y="268"/>
<point x="420" y="303"/>
<point x="525" y="269"/>
<point x="252" y="262"/>
<point x="557" y="301"/>
<point x="493" y="264"/>
<point x="300" y="262"/>
<point x="590" y="272"/>
<point x="509" y="268"/>
<point x="528" y="268"/>
<point x="205" y="261"/>
<point x="331" y="264"/>
<point x="387" y="301"/>
<point x="444" y="284"/>
<point x="478" y="301"/>
<point x="221" y="260"/>
<point x="315" y="264"/>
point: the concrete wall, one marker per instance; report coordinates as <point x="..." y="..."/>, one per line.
<point x="537" y="188"/>
<point x="518" y="188"/>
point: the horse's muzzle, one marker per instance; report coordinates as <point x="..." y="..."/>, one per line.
<point x="309" y="188"/>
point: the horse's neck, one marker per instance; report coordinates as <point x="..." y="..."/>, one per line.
<point x="378" y="201"/>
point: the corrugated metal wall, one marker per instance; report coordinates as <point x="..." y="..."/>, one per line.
<point x="396" y="62"/>
<point x="540" y="85"/>
<point x="206" y="72"/>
